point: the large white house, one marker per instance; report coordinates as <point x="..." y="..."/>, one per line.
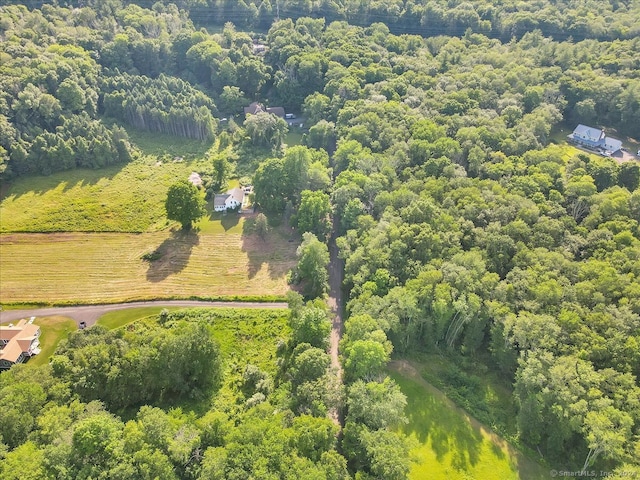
<point x="228" y="201"/>
<point x="17" y="342"/>
<point x="594" y="138"/>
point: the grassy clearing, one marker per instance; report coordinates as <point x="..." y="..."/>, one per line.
<point x="127" y="198"/>
<point x="449" y="444"/>
<point x="293" y="137"/>
<point x="53" y="330"/>
<point x="159" y="144"/>
<point x="122" y="198"/>
<point x="119" y="318"/>
<point x="245" y="336"/>
<point x="225" y="260"/>
<point x="476" y="388"/>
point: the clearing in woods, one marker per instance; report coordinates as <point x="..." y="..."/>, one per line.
<point x="80" y="237"/>
<point x="448" y="443"/>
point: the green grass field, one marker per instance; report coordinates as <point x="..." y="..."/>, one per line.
<point x="119" y="318"/>
<point x="293" y="137"/>
<point x="168" y="146"/>
<point x="128" y="198"/>
<point x="53" y="329"/>
<point x="108" y="267"/>
<point x="449" y="444"/>
<point x="475" y="387"/>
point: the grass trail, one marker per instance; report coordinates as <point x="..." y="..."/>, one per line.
<point x="448" y="443"/>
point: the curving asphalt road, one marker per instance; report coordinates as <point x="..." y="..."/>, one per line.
<point x="91" y="313"/>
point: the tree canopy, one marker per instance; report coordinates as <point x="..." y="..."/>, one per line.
<point x="184" y="204"/>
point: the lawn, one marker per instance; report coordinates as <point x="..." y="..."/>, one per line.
<point x="293" y="137"/>
<point x="449" y="444"/>
<point x="119" y="318"/>
<point x="53" y="329"/>
<point x="223" y="260"/>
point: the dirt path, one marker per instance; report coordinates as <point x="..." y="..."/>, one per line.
<point x="91" y="313"/>
<point x="336" y="270"/>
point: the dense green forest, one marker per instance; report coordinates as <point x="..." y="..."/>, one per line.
<point x="186" y="394"/>
<point x="434" y="153"/>
<point x="559" y="19"/>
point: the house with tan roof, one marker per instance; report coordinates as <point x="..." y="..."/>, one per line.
<point x="18" y="342"/>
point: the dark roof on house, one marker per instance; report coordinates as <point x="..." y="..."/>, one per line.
<point x="253" y="108"/>
<point x="220" y="199"/>
<point x="256" y="107"/>
<point x="277" y="111"/>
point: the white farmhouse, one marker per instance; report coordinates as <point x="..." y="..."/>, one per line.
<point x="228" y="201"/>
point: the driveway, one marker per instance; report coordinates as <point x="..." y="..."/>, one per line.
<point x="91" y="313"/>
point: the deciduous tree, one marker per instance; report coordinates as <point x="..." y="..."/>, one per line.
<point x="184" y="204"/>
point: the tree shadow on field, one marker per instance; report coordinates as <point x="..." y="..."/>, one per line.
<point x="432" y="417"/>
<point x="277" y="249"/>
<point x="229" y="220"/>
<point x="172" y="255"/>
<point x="39" y="185"/>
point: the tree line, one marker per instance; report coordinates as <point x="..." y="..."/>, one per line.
<point x="165" y="104"/>
<point x="557" y="19"/>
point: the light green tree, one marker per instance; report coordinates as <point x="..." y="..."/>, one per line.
<point x="311" y="271"/>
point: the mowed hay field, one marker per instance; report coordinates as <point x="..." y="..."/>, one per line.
<point x="79" y="236"/>
<point x="107" y="267"/>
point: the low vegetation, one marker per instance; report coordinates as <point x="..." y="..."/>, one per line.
<point x="448" y="444"/>
<point x="208" y="407"/>
<point x="120" y="318"/>
<point x="107" y="267"/>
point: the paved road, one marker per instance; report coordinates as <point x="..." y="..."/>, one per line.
<point x="91" y="313"/>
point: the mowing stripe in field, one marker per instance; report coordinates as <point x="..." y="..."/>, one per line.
<point x="108" y="267"/>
